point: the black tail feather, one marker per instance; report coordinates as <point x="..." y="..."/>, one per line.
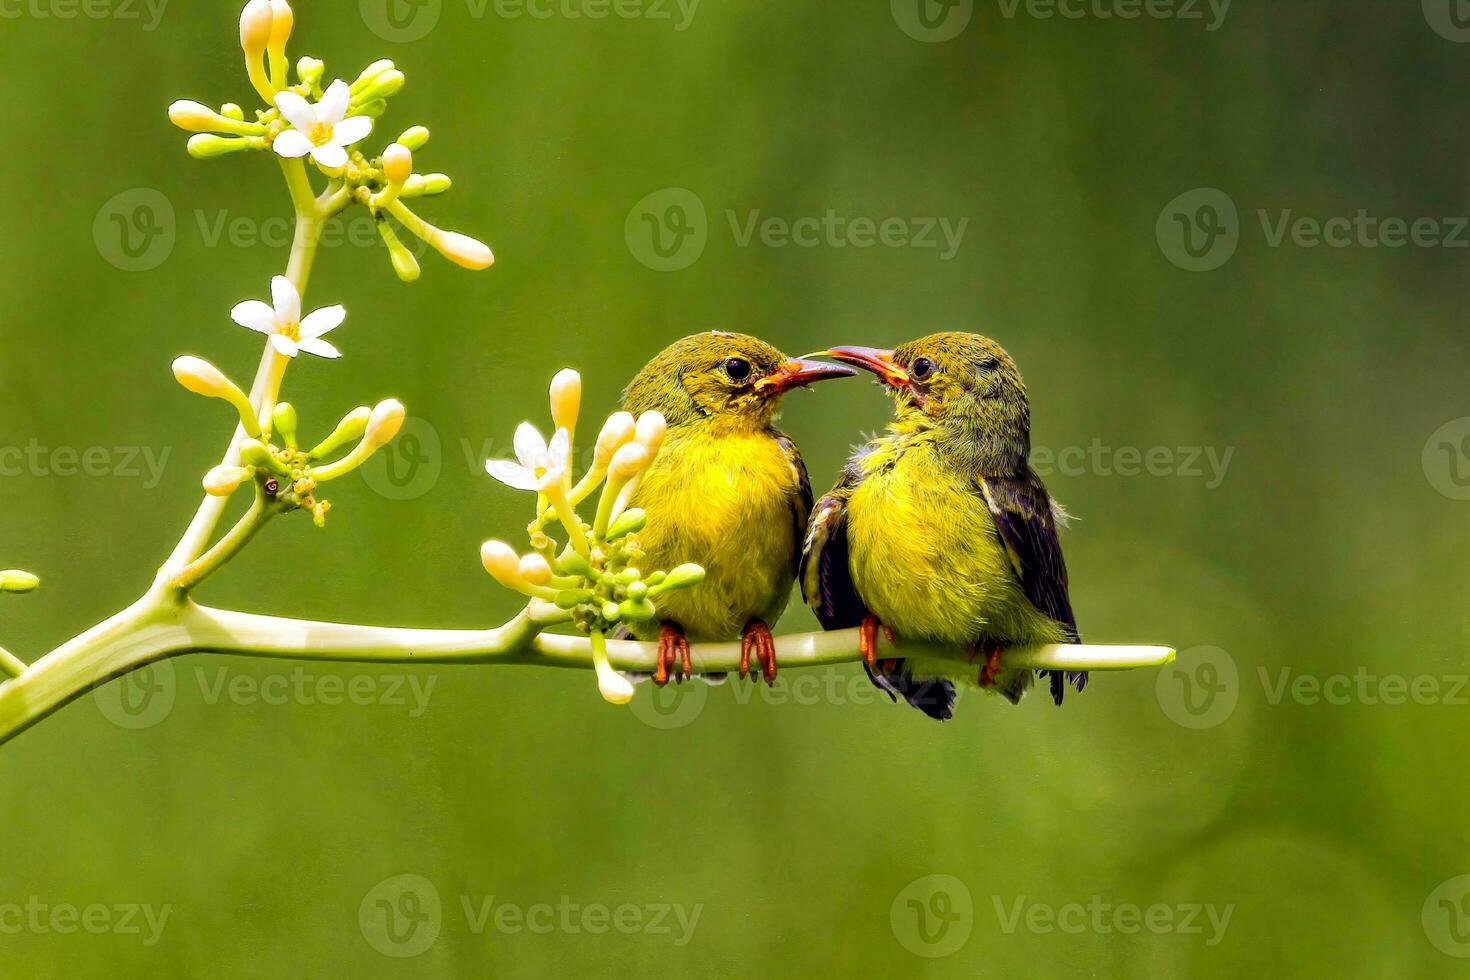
<point x="934" y="696"/>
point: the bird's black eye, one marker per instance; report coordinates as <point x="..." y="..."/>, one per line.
<point x="738" y="368"/>
<point x="921" y="369"/>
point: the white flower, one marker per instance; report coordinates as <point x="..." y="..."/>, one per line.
<point x="322" y="129"/>
<point x="539" y="466"/>
<point x="288" y="330"/>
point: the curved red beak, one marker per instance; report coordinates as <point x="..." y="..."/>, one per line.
<point x="880" y="362"/>
<point x="798" y="373"/>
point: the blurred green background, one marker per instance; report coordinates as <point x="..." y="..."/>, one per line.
<point x="805" y="827"/>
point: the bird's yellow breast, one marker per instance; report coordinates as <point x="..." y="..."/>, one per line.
<point x="925" y="556"/>
<point x="724" y="501"/>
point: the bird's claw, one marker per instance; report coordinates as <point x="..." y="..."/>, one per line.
<point x="757" y="636"/>
<point x="991" y="668"/>
<point x="673" y="655"/>
<point x="868" y="639"/>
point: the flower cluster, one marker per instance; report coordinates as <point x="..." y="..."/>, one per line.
<point x="303" y="120"/>
<point x="595" y="579"/>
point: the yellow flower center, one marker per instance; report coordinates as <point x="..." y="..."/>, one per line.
<point x="291" y="331"/>
<point x="320" y="135"/>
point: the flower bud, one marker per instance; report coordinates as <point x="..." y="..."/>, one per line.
<point x="384" y="423"/>
<point x="231" y="111"/>
<point x="627" y="462"/>
<point x="397" y="163"/>
<point x="502" y="562"/>
<point x="427" y="185"/>
<point x="207" y="146"/>
<point x="282" y="20"/>
<point x="351" y="428"/>
<point x="373" y="109"/>
<point x="638" y="591"/>
<point x="463" y="250"/>
<point x="224" y="480"/>
<point x="15" y="580"/>
<point x="258" y="454"/>
<point x="566" y="398"/>
<point x="617" y="430"/>
<point x="611" y="612"/>
<point x="192" y="116"/>
<point x="383" y="86"/>
<point x="369" y="73"/>
<point x="637" y="610"/>
<point x="680" y="578"/>
<point x="535" y="569"/>
<point x="415" y="137"/>
<point x="203" y="378"/>
<point x="651" y="431"/>
<point x="574" y="564"/>
<point x="310" y="70"/>
<point x="630" y="522"/>
<point x="572" y="598"/>
<point x="284" y="417"/>
<point x="255" y="27"/>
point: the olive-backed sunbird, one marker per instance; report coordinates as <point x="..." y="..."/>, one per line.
<point x="727" y="490"/>
<point x="939" y="530"/>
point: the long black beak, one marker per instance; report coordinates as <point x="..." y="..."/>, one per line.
<point x="800" y="372"/>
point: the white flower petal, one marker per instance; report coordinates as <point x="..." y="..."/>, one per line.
<point x="530" y="447"/>
<point x="511" y="474"/>
<point x="330" y="156"/>
<point x="286" y="300"/>
<point x="353" y="130"/>
<point x="292" y="144"/>
<point x="255" y="315"/>
<point x="319" y="347"/>
<point x="298" y="111"/>
<point x="318" y="322"/>
<point x="284" y="344"/>
<point x="560" y="449"/>
<point x="333" y="106"/>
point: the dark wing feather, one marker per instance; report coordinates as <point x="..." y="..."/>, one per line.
<point x="827" y="586"/>
<point x="801" y="508"/>
<point x="1023" y="514"/>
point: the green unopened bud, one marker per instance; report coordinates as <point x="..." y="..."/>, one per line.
<point x="373" y="109"/>
<point x="572" y="598"/>
<point x="350" y="429"/>
<point x="611" y="612"/>
<point x="627" y="576"/>
<point x="285" y="419"/>
<point x="682" y="577"/>
<point x="573" y="563"/>
<point x="656" y="578"/>
<point x="405" y="264"/>
<point x="207" y="146"/>
<point x="310" y="70"/>
<point x="15" y="580"/>
<point x="638" y="591"/>
<point x="369" y="73"/>
<point x="384" y="86"/>
<point x="631" y="522"/>
<point x="638" y="610"/>
<point x="415" y="137"/>
<point x="426" y="185"/>
<point x="256" y="453"/>
<point x="231" y="111"/>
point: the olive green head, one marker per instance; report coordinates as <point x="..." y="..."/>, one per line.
<point x="728" y="377"/>
<point x="962" y="384"/>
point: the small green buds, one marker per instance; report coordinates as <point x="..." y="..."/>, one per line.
<point x="573" y="563"/>
<point x="350" y="429"/>
<point x="285" y="420"/>
<point x="370" y="74"/>
<point x="231" y="111"/>
<point x="203" y="378"/>
<point x="17" y="581"/>
<point x="684" y="577"/>
<point x="256" y="453"/>
<point x="383" y="86"/>
<point x="426" y="185"/>
<point x="224" y="480"/>
<point x="310" y="70"/>
<point x="631" y="522"/>
<point x="415" y="138"/>
<point x="207" y="146"/>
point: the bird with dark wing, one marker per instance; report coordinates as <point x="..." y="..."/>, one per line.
<point x="939" y="531"/>
<point x="727" y="491"/>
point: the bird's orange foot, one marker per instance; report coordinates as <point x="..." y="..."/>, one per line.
<point x="757" y="636"/>
<point x="868" y="640"/>
<point x="673" y="654"/>
<point x="991" y="668"/>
